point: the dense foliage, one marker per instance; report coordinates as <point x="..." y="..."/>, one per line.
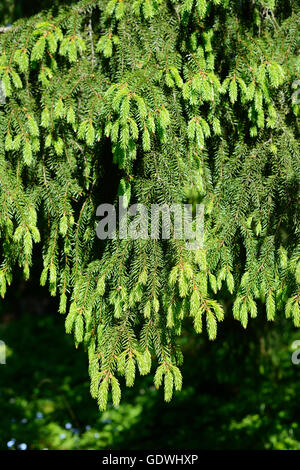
<point x="161" y="102"/>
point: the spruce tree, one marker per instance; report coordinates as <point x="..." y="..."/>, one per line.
<point x="159" y="101"/>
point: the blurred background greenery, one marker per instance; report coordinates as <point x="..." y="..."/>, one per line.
<point x="12" y="10"/>
<point x="240" y="392"/>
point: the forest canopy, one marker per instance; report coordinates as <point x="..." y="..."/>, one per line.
<point x="161" y="102"/>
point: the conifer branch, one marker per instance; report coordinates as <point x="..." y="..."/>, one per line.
<point x="149" y="101"/>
